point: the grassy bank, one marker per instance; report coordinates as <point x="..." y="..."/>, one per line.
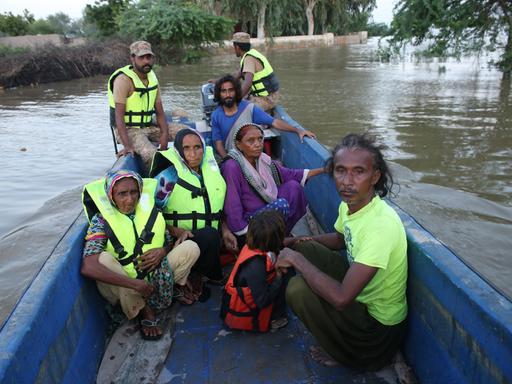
<point x="52" y="63"/>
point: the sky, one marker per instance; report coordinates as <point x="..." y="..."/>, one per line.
<point x="74" y="8"/>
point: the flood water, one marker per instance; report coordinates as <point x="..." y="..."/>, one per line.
<point x="447" y="127"/>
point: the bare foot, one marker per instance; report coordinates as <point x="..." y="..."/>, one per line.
<point x="195" y="283"/>
<point x="149" y="325"/>
<point x="320" y="356"/>
<point x="184" y="295"/>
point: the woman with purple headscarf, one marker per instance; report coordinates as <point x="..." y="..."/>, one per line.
<point x="255" y="182"/>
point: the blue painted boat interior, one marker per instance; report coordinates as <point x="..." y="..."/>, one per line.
<point x="460" y="329"/>
<point x="204" y="351"/>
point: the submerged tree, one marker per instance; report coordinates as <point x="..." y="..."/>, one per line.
<point x="455" y="27"/>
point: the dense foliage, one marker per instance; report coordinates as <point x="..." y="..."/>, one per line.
<point x="378" y="29"/>
<point x="290" y="17"/>
<point x="455" y="27"/>
<point x="15" y="25"/>
<point x="173" y="27"/>
<point x="26" y="24"/>
<point x="100" y="19"/>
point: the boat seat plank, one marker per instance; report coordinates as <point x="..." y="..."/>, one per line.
<point x="130" y="359"/>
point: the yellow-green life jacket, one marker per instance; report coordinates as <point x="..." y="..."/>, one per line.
<point x="140" y="106"/>
<point x="265" y="81"/>
<point x="193" y="203"/>
<point x="127" y="238"/>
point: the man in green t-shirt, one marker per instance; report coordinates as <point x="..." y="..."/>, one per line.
<point x="355" y="306"/>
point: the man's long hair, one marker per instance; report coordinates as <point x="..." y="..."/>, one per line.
<point x="236" y="85"/>
<point x="365" y="142"/>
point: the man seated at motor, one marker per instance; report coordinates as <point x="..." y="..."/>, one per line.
<point x="191" y="193"/>
<point x="128" y="250"/>
<point x="254" y="182"/>
<point x="254" y="296"/>
<point x="355" y="306"/>
<point x="134" y="98"/>
<point x="260" y="82"/>
<point x="234" y="111"/>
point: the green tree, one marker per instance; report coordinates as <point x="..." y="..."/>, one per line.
<point x="173" y="28"/>
<point x="310" y="6"/>
<point x="342" y="16"/>
<point x="15" y="25"/>
<point x="378" y="29"/>
<point x="40" y="27"/>
<point x="59" y="23"/>
<point x="454" y="27"/>
<point x="286" y="18"/>
<point x="100" y="18"/>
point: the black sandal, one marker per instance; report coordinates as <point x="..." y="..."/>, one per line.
<point x="146" y="323"/>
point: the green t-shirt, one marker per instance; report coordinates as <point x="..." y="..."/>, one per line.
<point x="375" y="236"/>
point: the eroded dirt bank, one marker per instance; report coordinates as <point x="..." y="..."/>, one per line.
<point x="52" y="63"/>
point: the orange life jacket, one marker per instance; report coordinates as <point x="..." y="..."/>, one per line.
<point x="241" y="312"/>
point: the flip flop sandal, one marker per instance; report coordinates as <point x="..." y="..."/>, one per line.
<point x="146" y="323"/>
<point x="278" y="324"/>
<point x="179" y="296"/>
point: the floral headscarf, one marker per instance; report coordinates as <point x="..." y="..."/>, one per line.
<point x="113" y="177"/>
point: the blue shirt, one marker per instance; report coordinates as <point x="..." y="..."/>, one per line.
<point x="221" y="123"/>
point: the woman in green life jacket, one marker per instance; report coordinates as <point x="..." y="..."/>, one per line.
<point x="128" y="250"/>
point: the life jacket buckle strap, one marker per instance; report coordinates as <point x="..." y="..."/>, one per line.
<point x="121" y="252"/>
<point x="199" y="192"/>
<point x="146" y="236"/>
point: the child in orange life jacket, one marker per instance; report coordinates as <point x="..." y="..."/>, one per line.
<point x="254" y="296"/>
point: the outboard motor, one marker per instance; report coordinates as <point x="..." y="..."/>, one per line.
<point x="208" y="104"/>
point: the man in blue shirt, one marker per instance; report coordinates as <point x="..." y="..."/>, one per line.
<point x="233" y="111"/>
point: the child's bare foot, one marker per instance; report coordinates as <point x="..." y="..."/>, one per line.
<point x="320" y="356"/>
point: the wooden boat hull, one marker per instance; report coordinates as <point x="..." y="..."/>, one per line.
<point x="460" y="329"/>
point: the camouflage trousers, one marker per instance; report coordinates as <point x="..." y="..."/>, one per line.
<point x="145" y="141"/>
<point x="266" y="102"/>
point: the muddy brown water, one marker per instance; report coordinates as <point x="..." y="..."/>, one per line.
<point x="447" y="127"/>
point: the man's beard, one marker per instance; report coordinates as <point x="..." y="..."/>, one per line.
<point x="143" y="69"/>
<point x="228" y="102"/>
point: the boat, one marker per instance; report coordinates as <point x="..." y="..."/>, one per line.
<point x="459" y="327"/>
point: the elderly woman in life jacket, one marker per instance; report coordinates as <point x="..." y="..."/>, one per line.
<point x="128" y="251"/>
<point x="256" y="182"/>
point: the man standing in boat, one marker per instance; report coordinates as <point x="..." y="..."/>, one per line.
<point x="233" y="111"/>
<point x="259" y="80"/>
<point x="134" y="98"/>
<point x="355" y="307"/>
